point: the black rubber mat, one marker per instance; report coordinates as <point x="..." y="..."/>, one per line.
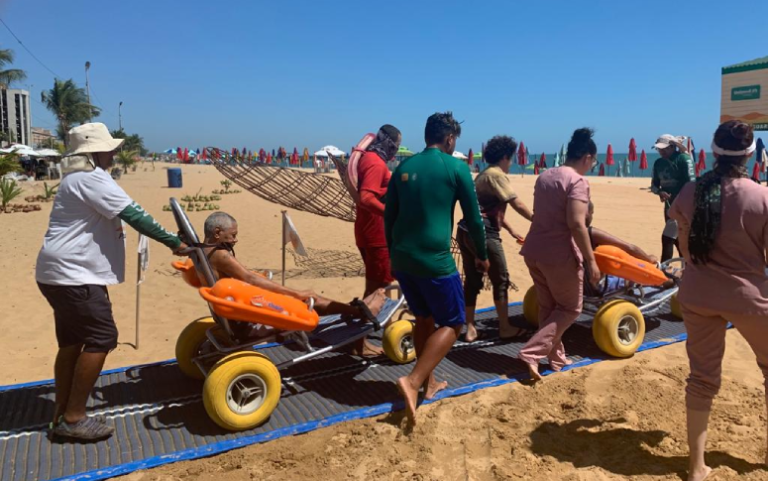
<point x="159" y="417"/>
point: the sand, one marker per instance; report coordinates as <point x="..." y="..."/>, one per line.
<point x="614" y="420"/>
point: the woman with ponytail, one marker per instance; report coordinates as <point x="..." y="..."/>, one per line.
<point x="723" y="221"/>
<point x="556" y="249"/>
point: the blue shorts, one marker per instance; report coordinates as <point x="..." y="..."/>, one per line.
<point x="442" y="298"/>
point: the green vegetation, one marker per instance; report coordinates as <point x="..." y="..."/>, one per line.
<point x="9" y="76"/>
<point x="226" y="184"/>
<point x="9" y="163"/>
<point x="126" y="158"/>
<point x="69" y="104"/>
<point x="9" y="190"/>
<point x="132" y="142"/>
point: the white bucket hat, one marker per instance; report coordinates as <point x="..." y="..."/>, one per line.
<point x="90" y="138"/>
<point x="666" y="140"/>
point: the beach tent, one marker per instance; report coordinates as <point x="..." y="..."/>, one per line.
<point x="333" y="150"/>
<point x="21" y="149"/>
<point x="48" y="153"/>
<point x="459" y="155"/>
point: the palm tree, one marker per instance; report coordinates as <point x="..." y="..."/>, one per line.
<point x="7" y="77"/>
<point x="126" y="158"/>
<point x="69" y="104"/>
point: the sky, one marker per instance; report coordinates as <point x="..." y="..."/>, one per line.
<point x="301" y="74"/>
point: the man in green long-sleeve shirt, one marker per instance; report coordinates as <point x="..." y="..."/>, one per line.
<point x="418" y="223"/>
<point x="84" y="252"/>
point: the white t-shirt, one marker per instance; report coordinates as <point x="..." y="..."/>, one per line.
<point x="85" y="242"/>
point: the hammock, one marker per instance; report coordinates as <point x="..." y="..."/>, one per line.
<point x="308" y="192"/>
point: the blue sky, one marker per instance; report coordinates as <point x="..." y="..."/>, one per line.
<point x="269" y="73"/>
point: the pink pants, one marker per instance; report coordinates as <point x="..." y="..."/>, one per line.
<point x="559" y="289"/>
<point x="706" y="347"/>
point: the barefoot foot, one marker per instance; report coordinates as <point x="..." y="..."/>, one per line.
<point x="433" y="387"/>
<point x="533" y="370"/>
<point x="699" y="474"/>
<point x="410" y="396"/>
<point x="558" y="366"/>
<point x="471" y="335"/>
<point x="375" y="301"/>
<point x="510" y="332"/>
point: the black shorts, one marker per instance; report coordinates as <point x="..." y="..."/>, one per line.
<point x="83" y="315"/>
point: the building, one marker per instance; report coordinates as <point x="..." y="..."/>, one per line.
<point x="41" y="137"/>
<point x="745" y="93"/>
<point x="15" y="116"/>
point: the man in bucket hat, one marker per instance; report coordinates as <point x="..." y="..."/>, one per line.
<point x="670" y="173"/>
<point x="83" y="252"/>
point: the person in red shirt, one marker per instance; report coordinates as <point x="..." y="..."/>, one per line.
<point x="373" y="179"/>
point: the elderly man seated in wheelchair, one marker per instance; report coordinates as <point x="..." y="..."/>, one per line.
<point x="219" y="247"/>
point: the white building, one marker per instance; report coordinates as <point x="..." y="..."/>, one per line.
<point x="16" y="116"/>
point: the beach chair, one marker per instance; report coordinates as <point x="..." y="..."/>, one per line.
<point x="631" y="290"/>
<point x="252" y="335"/>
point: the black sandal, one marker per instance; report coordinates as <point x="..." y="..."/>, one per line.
<point x="367" y="314"/>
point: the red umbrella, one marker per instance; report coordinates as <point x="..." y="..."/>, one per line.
<point x="269" y="158"/>
<point x="602" y="170"/>
<point x="543" y="160"/>
<point x="179" y="153"/>
<point x="204" y="154"/>
<point x="756" y="172"/>
<point x="702" y="164"/>
<point x="632" y="157"/>
<point x="521" y="157"/>
<point x="643" y="160"/>
<point x="295" y="158"/>
<point x="186" y="155"/>
<point x="470" y="157"/>
<point x="535" y="169"/>
<point x="609" y="157"/>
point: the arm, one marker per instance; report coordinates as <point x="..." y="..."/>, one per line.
<point x="370" y="202"/>
<point x="576" y="215"/>
<point x="676" y="213"/>
<point x="139" y="219"/>
<point x="391" y="209"/>
<point x="688" y="173"/>
<point x="227" y="265"/>
<point x="521" y="208"/>
<point x="655" y="182"/>
<point x="471" y="210"/>
<point x="603" y="238"/>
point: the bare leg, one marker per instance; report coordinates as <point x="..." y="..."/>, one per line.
<point x="64" y="372"/>
<point x="697" y="440"/>
<point x="327" y="307"/>
<point x="86" y="373"/>
<point x="434" y="350"/>
<point x="363" y="347"/>
<point x="423" y="329"/>
<point x="471" y="335"/>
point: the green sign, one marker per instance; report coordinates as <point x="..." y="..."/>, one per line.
<point x="760" y="126"/>
<point x="748" y="92"/>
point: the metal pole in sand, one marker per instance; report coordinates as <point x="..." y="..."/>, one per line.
<point x="283" y="212"/>
<point x="138" y="299"/>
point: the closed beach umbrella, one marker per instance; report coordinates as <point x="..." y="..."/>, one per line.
<point x="205" y="153"/>
<point x="701" y="166"/>
<point x="522" y="159"/>
<point x="557" y="159"/>
<point x="269" y="158"/>
<point x="179" y="153"/>
<point x="760" y="153"/>
<point x="602" y="170"/>
<point x="305" y="156"/>
<point x="690" y="147"/>
<point x="643" y="160"/>
<point x="756" y="172"/>
<point x="273" y="154"/>
<point x="535" y="169"/>
<point x="470" y="155"/>
<point x="632" y="157"/>
<point x="562" y="154"/>
<point x="186" y="155"/>
<point x="609" y="156"/>
<point x="543" y="160"/>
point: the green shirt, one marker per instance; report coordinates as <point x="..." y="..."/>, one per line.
<point x="670" y="175"/>
<point x="418" y="218"/>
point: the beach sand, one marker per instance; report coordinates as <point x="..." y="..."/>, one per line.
<point x="614" y="420"/>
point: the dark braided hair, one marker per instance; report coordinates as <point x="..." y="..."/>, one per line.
<point x="708" y="201"/>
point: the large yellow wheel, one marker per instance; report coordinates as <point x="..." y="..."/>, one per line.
<point x="241" y="391"/>
<point x="192" y="342"/>
<point x="398" y="342"/>
<point x="619" y="329"/>
<point x="674" y="305"/>
<point x="531" y="306"/>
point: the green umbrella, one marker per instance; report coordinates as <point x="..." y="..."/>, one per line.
<point x="403" y="151"/>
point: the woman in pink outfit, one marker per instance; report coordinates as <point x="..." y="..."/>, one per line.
<point x="723" y="227"/>
<point x="555" y="250"/>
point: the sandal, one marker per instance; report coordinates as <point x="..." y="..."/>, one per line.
<point x="367" y="314"/>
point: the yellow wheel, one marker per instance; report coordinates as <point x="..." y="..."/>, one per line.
<point x="192" y="342"/>
<point x="674" y="305"/>
<point x="618" y="329"/>
<point x="531" y="306"/>
<point x="241" y="391"/>
<point x="398" y="342"/>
